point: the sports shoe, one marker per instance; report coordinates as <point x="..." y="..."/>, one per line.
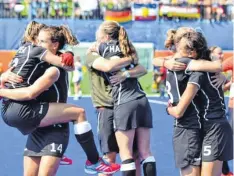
<point x="101" y="166"/>
<point x="65" y="161"/>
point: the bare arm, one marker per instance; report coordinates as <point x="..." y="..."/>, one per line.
<point x="40" y="85"/>
<point x="55" y="60"/>
<point x="136" y="72"/>
<point x="106" y="65"/>
<point x="169" y="62"/>
<point x="186" y="99"/>
<point x="207" y="66"/>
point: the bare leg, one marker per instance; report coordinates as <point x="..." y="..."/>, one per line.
<point x="49" y="166"/>
<point x="31" y="165"/>
<point x="212" y="168"/>
<point x="191" y="171"/>
<point x="149" y="163"/>
<point x="61" y="112"/>
<point x="125" y="142"/>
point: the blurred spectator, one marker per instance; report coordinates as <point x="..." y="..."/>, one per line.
<point x="77" y="77"/>
<point x="208" y="10"/>
<point x="159" y="80"/>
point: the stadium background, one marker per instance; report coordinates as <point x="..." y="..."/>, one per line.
<point x="146" y="22"/>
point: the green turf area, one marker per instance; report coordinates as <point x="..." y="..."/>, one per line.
<point x="146" y="82"/>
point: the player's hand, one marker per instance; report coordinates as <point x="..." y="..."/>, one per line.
<point x="10" y="77"/>
<point x="118" y="78"/>
<point x="219" y="80"/>
<point x="68" y="59"/>
<point x="173" y="65"/>
<point x="172" y="111"/>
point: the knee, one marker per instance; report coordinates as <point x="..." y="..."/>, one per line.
<point x="81" y="114"/>
<point x="81" y="111"/>
<point x="30" y="172"/>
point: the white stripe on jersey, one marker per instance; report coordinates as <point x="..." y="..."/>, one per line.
<point x="120" y="87"/>
<point x="216" y="90"/>
<point x="195" y="84"/>
<point x="57" y="92"/>
<point x="104" y="52"/>
<point x="43" y="55"/>
<point x="23" y="64"/>
<point x="34" y="71"/>
<point x="29" y="48"/>
<point x="177" y="86"/>
<point x="208" y="103"/>
<point x="66" y="80"/>
<point x="197" y="113"/>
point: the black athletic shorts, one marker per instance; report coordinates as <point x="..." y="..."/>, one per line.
<point x="133" y="114"/>
<point x="106" y="133"/>
<point x="187" y="144"/>
<point x="25" y="116"/>
<point x="48" y="141"/>
<point x="218" y="140"/>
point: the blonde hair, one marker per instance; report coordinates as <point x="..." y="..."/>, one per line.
<point x="61" y="34"/>
<point x="32" y="31"/>
<point x="117" y="32"/>
<point x="212" y="48"/>
<point x="175" y="35"/>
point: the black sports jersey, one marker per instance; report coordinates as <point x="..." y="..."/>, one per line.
<point x="128" y="90"/>
<point x="210" y="100"/>
<point x="176" y="84"/>
<point x="58" y="93"/>
<point x="28" y="64"/>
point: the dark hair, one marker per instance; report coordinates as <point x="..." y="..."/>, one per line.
<point x="62" y="35"/>
<point x="195" y="41"/>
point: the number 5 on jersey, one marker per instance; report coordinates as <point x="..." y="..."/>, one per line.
<point x="207" y="150"/>
<point x="56" y="147"/>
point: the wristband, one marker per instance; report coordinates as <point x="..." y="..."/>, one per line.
<point x="126" y="74"/>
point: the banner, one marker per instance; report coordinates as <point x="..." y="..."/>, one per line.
<point x="145" y="52"/>
<point x="121" y="16"/>
<point x="144" y="12"/>
<point x="176" y="11"/>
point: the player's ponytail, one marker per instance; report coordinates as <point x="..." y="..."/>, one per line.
<point x="32" y="31"/>
<point x="169" y="42"/>
<point x="117" y="32"/>
<point x="126" y="47"/>
<point x="69" y="37"/>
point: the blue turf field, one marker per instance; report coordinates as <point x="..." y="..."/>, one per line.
<point x="13" y="144"/>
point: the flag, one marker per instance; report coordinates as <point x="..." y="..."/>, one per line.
<point x="176" y="11"/>
<point x="144" y="12"/>
<point x="121" y="16"/>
